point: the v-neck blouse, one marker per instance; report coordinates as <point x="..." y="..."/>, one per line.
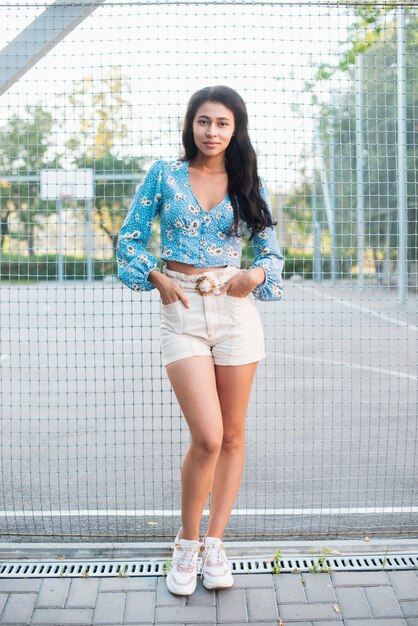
<point x="225" y="198"/>
<point x="189" y="233"/>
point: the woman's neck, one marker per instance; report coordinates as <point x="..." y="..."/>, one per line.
<point x="209" y="164"/>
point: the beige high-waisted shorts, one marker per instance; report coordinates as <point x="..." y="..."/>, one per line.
<point x="225" y="327"/>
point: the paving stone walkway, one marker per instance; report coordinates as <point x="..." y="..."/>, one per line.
<point x="380" y="598"/>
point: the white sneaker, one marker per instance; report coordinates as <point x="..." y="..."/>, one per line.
<point x="182" y="576"/>
<point x="216" y="572"/>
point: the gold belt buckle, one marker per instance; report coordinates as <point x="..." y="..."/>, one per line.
<point x="205" y="285"/>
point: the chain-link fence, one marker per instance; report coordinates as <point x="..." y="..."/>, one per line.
<point x="92" y="92"/>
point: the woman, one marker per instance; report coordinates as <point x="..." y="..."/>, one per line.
<point x="211" y="332"/>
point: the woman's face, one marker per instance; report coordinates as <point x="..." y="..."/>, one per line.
<point x="213" y="126"/>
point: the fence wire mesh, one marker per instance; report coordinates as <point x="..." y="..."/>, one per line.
<point x="91" y="435"/>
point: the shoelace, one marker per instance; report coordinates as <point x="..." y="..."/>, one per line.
<point x="218" y="558"/>
<point x="188" y="555"/>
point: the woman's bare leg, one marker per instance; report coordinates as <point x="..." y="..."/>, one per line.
<point x="194" y="383"/>
<point x="234" y="388"/>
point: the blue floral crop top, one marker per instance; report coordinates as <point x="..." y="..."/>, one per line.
<point x="188" y="233"/>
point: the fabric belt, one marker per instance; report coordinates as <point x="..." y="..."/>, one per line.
<point x="204" y="284"/>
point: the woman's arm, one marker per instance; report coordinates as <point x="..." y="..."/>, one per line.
<point x="134" y="261"/>
<point x="267" y="255"/>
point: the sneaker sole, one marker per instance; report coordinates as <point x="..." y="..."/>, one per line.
<point x="215" y="585"/>
<point x="179" y="591"/>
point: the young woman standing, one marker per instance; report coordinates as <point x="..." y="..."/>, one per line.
<point x="211" y="333"/>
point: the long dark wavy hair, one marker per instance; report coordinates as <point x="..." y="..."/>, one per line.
<point x="240" y="159"/>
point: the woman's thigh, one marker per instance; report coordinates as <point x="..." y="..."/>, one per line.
<point x="194" y="384"/>
<point x="234" y="383"/>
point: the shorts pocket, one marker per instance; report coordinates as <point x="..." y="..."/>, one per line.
<point x="172" y="316"/>
<point x="238" y="298"/>
<point x="170" y="304"/>
<point x="240" y="310"/>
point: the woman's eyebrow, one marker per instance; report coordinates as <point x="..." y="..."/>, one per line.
<point x="206" y="117"/>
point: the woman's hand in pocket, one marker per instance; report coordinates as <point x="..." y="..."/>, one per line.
<point x="242" y="284"/>
<point x="170" y="290"/>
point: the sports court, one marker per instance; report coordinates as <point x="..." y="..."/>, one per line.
<point x="92" y="435"/>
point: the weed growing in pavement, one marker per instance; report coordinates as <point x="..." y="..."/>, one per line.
<point x="321" y="565"/>
<point x="385" y="557"/>
<point x="123" y="571"/>
<point x="166" y="567"/>
<point x="276" y="567"/>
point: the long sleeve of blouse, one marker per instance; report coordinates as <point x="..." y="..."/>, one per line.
<point x="134" y="261"/>
<point x="268" y="256"/>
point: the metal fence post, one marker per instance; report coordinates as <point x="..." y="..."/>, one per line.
<point x="402" y="165"/>
<point x="317" y="259"/>
<point x="359" y="167"/>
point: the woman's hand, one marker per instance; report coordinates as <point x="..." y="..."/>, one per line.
<point x="243" y="283"/>
<point x="169" y="290"/>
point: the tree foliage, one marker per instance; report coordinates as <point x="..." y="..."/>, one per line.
<point x="372" y="34"/>
<point x="102" y="110"/>
<point x="24" y="145"/>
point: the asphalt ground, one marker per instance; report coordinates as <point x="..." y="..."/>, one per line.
<point x="92" y="437"/>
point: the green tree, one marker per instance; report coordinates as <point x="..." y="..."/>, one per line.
<point x="297" y="207"/>
<point x="113" y="196"/>
<point x="101" y="108"/>
<point x="24" y="144"/>
<point x="373" y="34"/>
<point x="380" y="126"/>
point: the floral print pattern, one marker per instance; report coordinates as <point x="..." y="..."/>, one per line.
<point x="189" y="233"/>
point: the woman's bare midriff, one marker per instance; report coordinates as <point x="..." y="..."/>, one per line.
<point x="185" y="268"/>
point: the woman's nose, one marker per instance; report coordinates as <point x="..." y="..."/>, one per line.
<point x="211" y="130"/>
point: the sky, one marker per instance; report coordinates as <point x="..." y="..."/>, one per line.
<point x="168" y="50"/>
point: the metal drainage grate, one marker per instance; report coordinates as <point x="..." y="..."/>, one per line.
<point x="78" y="569"/>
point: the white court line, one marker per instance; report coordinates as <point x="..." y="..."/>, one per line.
<point x="363" y="309"/>
<point x="370" y="368"/>
<point x="235" y="513"/>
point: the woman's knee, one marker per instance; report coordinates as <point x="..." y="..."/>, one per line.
<point x="233" y="441"/>
<point x="207" y="446"/>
